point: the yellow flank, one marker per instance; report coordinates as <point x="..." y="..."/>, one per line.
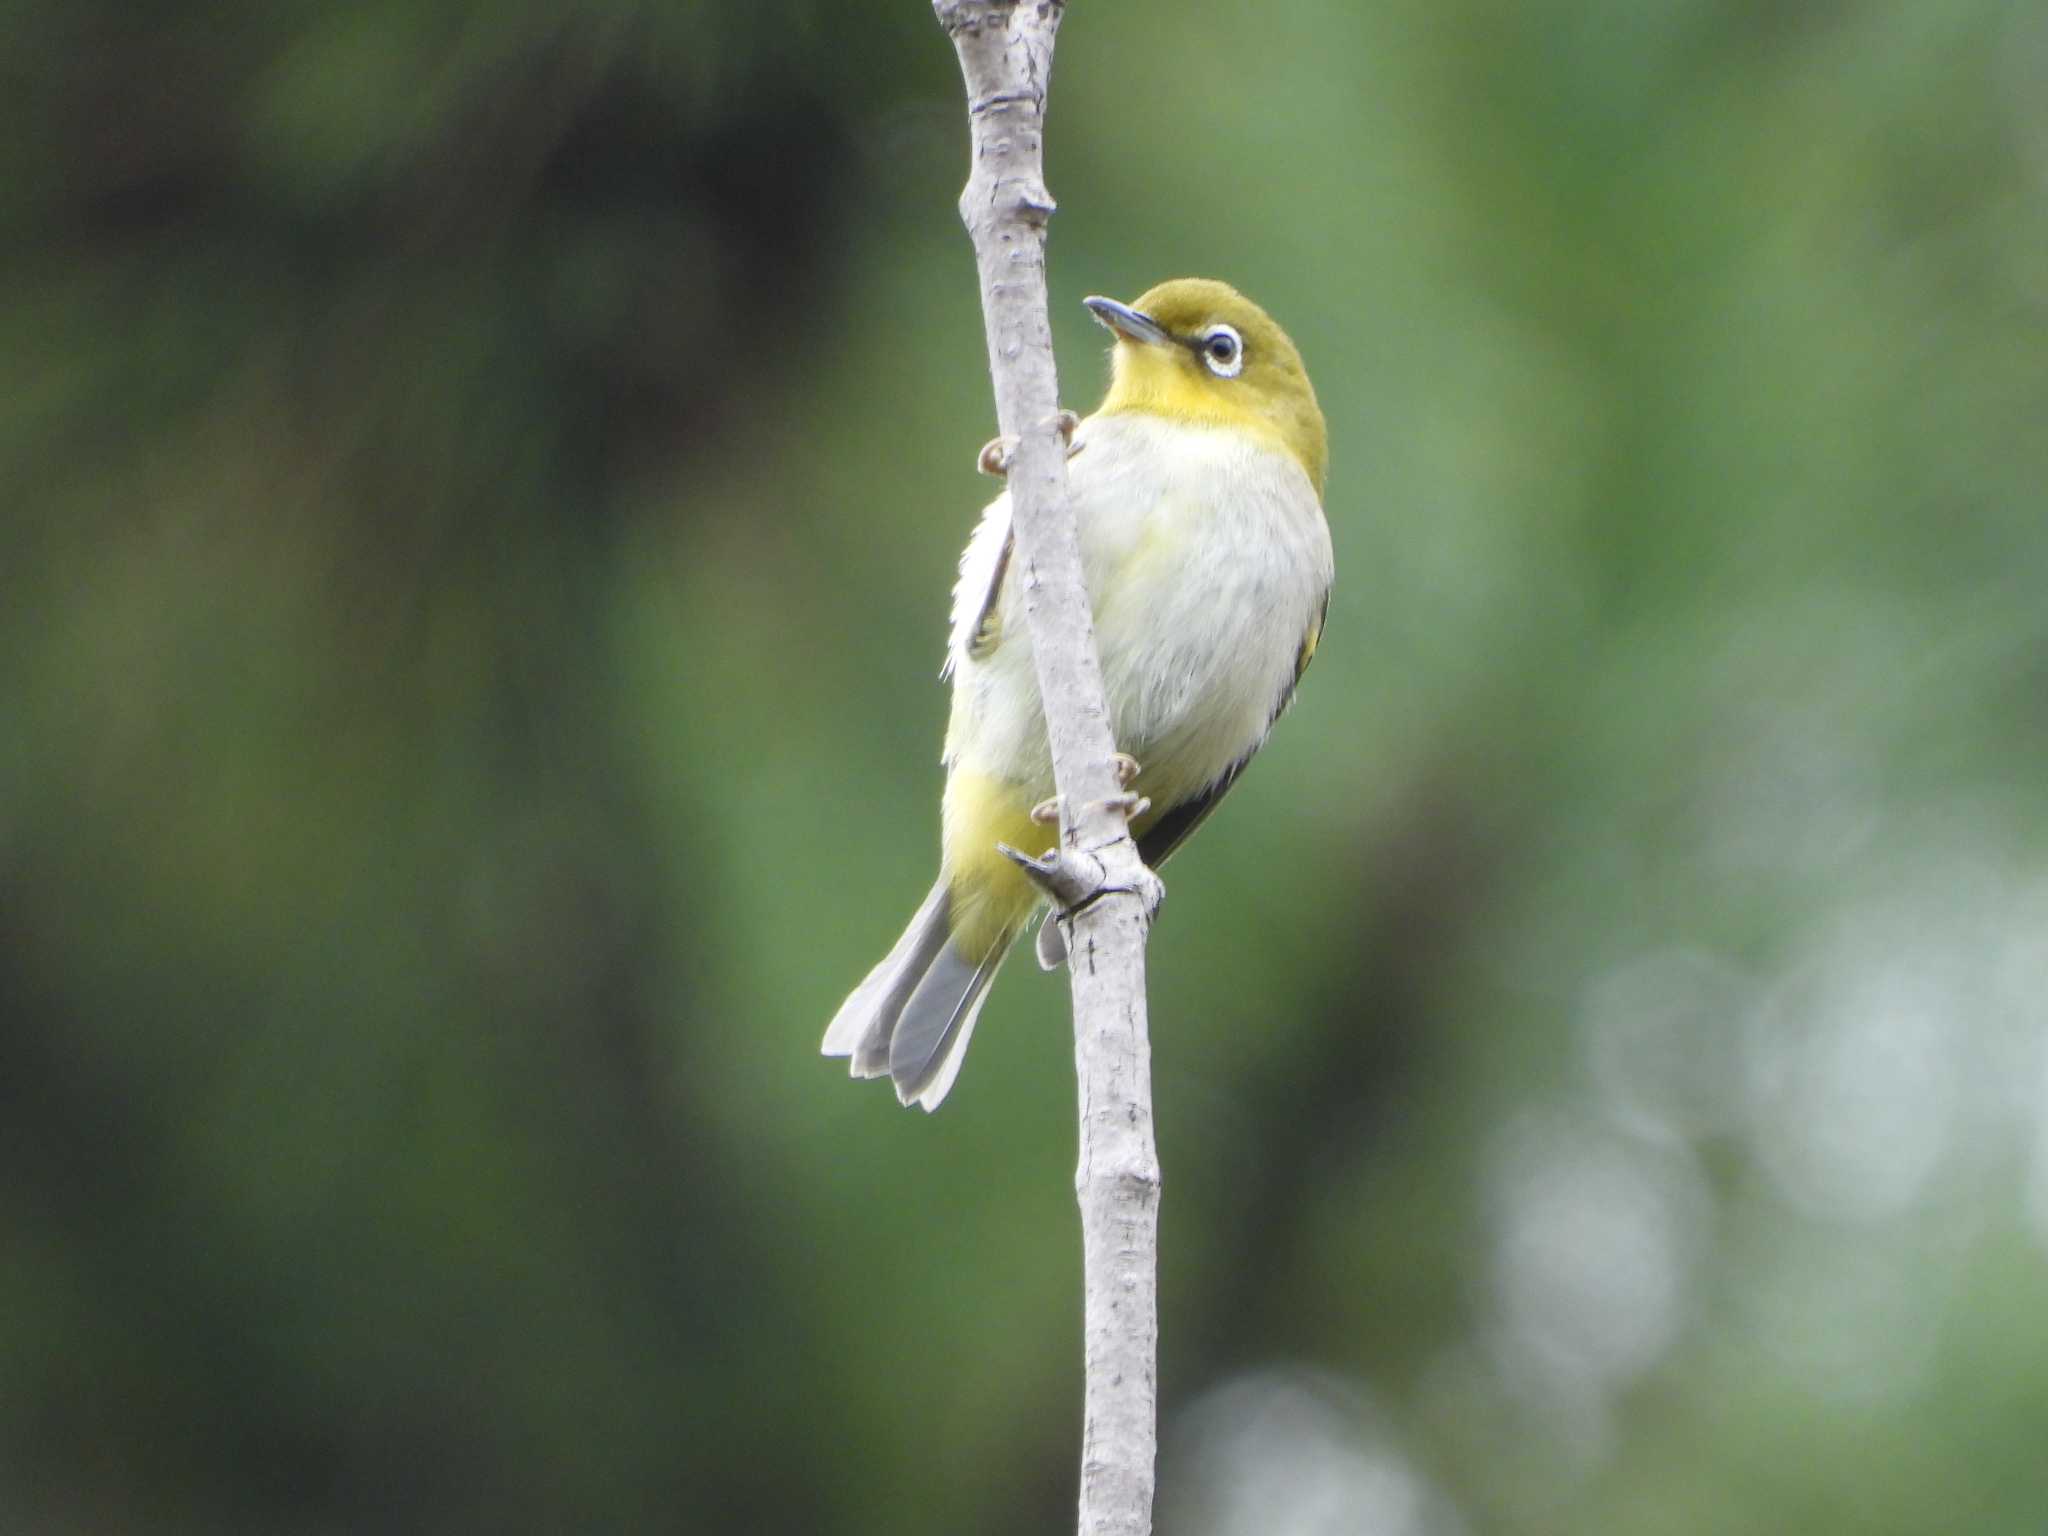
<point x="991" y="898"/>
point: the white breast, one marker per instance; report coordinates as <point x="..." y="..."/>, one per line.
<point x="1208" y="560"/>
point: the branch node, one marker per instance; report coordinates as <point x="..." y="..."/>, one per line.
<point x="1072" y="878"/>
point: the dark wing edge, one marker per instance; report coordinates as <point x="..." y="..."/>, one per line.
<point x="1302" y="658"/>
<point x="1156" y="844"/>
<point x="988" y="624"/>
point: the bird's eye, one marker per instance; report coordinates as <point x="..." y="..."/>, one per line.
<point x="1223" y="351"/>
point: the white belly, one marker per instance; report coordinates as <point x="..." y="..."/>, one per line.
<point x="1208" y="560"/>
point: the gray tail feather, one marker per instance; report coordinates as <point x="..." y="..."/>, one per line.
<point x="914" y="1014"/>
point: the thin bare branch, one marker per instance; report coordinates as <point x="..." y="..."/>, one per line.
<point x="1005" y="50"/>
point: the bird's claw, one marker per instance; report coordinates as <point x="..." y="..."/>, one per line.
<point x="1046" y="813"/>
<point x="997" y="452"/>
<point x="1126" y="767"/>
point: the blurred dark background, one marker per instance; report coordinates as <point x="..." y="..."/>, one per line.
<point x="482" y="485"/>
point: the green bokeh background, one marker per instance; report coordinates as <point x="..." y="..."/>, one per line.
<point x="482" y="485"/>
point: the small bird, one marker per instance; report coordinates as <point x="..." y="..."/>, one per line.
<point x="1197" y="488"/>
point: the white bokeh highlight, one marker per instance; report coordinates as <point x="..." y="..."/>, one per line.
<point x="1284" y="1452"/>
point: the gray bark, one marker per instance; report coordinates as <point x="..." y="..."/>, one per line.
<point x="1005" y="52"/>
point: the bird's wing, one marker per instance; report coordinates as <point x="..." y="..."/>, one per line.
<point x="985" y="563"/>
<point x="977" y="595"/>
<point x="1177" y="823"/>
<point x="987" y="633"/>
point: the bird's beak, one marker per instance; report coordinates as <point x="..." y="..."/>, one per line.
<point x="1128" y="323"/>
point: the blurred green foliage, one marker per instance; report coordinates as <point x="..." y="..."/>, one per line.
<point x="483" y="484"/>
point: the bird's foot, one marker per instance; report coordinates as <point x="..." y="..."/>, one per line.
<point x="1126" y="766"/>
<point x="997" y="452"/>
<point x="1047" y="812"/>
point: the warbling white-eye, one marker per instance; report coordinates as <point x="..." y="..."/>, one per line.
<point x="1197" y="487"/>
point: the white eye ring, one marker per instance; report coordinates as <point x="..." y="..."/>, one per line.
<point x="1223" y="351"/>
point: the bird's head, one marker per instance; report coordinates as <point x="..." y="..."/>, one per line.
<point x="1198" y="351"/>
